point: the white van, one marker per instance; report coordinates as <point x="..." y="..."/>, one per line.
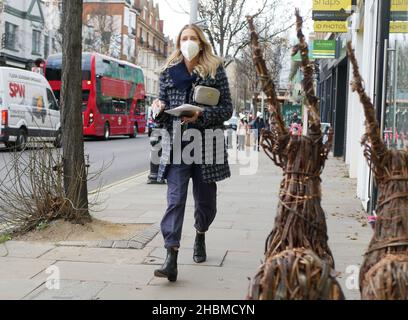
<point x="28" y="109"/>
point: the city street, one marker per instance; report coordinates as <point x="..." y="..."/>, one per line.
<point x="128" y="157"/>
<point x="305" y="197"/>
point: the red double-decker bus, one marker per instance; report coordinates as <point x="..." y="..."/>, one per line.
<point x="113" y="94"/>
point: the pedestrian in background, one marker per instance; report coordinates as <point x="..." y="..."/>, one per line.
<point x="258" y="124"/>
<point x="248" y="134"/>
<point x="192" y="63"/>
<point x="241" y="132"/>
<point x="295" y="119"/>
<point x="326" y="134"/>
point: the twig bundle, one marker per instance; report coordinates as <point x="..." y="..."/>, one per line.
<point x="296" y="274"/>
<point x="382" y="273"/>
<point x="299" y="263"/>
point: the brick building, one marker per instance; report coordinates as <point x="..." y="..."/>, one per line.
<point x="128" y="30"/>
<point x="153" y="46"/>
<point x="110" y="28"/>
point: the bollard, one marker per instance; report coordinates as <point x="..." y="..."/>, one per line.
<point x="154" y="167"/>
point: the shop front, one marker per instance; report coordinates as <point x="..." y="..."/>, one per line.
<point x="395" y="114"/>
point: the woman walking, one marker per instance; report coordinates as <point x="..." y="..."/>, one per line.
<point x="192" y="64"/>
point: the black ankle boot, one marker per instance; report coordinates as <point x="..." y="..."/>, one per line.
<point x="169" y="268"/>
<point x="199" y="248"/>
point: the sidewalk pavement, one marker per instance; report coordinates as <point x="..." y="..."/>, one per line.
<point x="235" y="243"/>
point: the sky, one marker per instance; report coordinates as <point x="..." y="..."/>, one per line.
<point x="175" y="14"/>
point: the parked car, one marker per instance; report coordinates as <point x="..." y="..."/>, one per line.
<point x="28" y="109"/>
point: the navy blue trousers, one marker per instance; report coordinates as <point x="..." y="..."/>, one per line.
<point x="205" y="198"/>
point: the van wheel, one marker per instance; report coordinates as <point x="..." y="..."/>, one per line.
<point x="58" y="139"/>
<point x="9" y="145"/>
<point x="21" y="141"/>
<point x="106" y="131"/>
<point x="135" y="131"/>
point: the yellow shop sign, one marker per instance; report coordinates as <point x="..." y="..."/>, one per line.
<point x="332" y="5"/>
<point x="399" y="27"/>
<point x="331" y="26"/>
<point x="399" y="5"/>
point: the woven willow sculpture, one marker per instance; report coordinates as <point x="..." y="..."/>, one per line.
<point x="384" y="273"/>
<point x="298" y="261"/>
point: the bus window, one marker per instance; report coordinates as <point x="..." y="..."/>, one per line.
<point x="105" y="107"/>
<point x="85" y="98"/>
<point x="114" y="70"/>
<point x="140" y="107"/>
<point x="119" y="106"/>
<point x="103" y="67"/>
<point x="122" y="72"/>
<point x="128" y="105"/>
<point x="85" y="95"/>
<point x="53" y="68"/>
<point x="86" y="66"/>
<point x="53" y="71"/>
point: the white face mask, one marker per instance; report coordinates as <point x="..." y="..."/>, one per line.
<point x="190" y="49"/>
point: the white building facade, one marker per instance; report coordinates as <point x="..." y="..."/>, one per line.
<point x="27" y="31"/>
<point x="394" y="121"/>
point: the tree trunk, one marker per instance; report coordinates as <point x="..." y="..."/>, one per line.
<point x="75" y="177"/>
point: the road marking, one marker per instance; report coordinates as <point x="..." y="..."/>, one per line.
<point x="118" y="183"/>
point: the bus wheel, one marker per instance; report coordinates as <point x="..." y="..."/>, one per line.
<point x="135" y="131"/>
<point x="58" y="139"/>
<point x="106" y="131"/>
<point x="21" y="141"/>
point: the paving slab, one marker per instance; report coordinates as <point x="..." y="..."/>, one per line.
<point x="21" y="268"/>
<point x="90" y="244"/>
<point x="102" y="272"/>
<point x="167" y="291"/>
<point x="17" y="289"/>
<point x="209" y="278"/>
<point x="215" y="257"/>
<point x="101" y="255"/>
<point x="68" y="290"/>
<point x="24" y="249"/>
<point x="243" y="260"/>
<point x="235" y="243"/>
<point x="3" y="250"/>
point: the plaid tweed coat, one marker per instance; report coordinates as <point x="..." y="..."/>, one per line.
<point x="213" y="117"/>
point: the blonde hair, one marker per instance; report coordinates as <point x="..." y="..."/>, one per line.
<point x="208" y="62"/>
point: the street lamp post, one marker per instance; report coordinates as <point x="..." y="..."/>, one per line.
<point x="194" y="11"/>
<point x="381" y="65"/>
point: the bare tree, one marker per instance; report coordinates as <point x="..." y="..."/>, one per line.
<point x="75" y="180"/>
<point x="226" y="24"/>
<point x="105" y="37"/>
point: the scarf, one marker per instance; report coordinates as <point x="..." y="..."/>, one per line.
<point x="182" y="79"/>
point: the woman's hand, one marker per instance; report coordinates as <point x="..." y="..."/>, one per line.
<point x="157" y="107"/>
<point x="191" y="119"/>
